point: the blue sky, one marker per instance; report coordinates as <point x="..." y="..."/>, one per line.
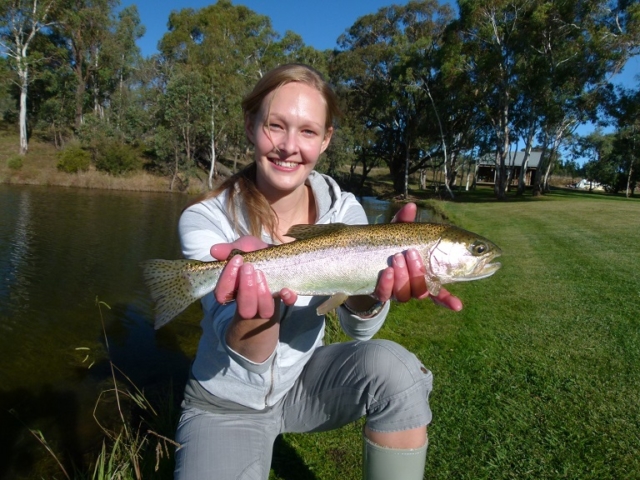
<point x="320" y="23"/>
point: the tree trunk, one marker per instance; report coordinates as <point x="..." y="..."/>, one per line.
<point x="537" y="184"/>
<point x="406" y="172"/>
<point x="444" y="143"/>
<point x="213" y="144"/>
<point x="24" y="87"/>
<point x="499" y="186"/>
<point x="175" y="170"/>
<point x="525" y="162"/>
<point x="629" y="190"/>
<point x="80" y="89"/>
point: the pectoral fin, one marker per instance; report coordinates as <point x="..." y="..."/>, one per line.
<point x="433" y="285"/>
<point x="332" y="302"/>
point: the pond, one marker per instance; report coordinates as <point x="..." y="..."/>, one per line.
<point x="61" y="252"/>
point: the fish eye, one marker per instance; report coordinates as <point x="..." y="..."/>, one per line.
<point x="479" y="248"/>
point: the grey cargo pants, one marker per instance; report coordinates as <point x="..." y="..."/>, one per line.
<point x="341" y="383"/>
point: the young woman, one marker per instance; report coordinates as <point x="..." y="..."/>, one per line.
<point x="261" y="367"/>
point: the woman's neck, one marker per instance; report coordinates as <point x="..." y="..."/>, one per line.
<point x="297" y="207"/>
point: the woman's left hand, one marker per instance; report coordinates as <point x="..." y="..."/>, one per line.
<point x="405" y="278"/>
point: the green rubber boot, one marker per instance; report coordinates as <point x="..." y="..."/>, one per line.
<point x="380" y="463"/>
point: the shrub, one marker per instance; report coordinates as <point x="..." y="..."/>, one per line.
<point x="117" y="158"/>
<point x="74" y="159"/>
<point x="15" y="162"/>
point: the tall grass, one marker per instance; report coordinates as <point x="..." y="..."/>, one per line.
<point x="127" y="449"/>
<point x="131" y="448"/>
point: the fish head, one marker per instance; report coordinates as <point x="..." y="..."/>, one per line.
<point x="459" y="255"/>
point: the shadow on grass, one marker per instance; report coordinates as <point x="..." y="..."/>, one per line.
<point x="287" y="464"/>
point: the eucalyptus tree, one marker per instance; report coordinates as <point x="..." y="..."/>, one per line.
<point x="56" y="104"/>
<point x="6" y="100"/>
<point x="184" y="108"/>
<point x="597" y="146"/>
<point x="381" y="66"/>
<point x="625" y="154"/>
<point x="581" y="44"/>
<point x="20" y="22"/>
<point x="459" y="107"/>
<point x="120" y="58"/>
<point x="492" y="33"/>
<point x="86" y="25"/>
<point x="231" y="46"/>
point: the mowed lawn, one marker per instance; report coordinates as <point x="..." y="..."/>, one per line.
<point x="539" y="375"/>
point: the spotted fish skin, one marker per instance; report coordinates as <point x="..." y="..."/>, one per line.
<point x="333" y="259"/>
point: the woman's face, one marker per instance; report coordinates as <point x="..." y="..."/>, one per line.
<point x="289" y="135"/>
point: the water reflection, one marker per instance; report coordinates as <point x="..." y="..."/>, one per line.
<point x="382" y="211"/>
<point x="60" y="249"/>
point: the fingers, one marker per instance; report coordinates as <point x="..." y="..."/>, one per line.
<point x="248" y="286"/>
<point x="406" y="214"/>
<point x="253" y="298"/>
<point x="404" y="279"/>
<point x="221" y="251"/>
<point x="227" y="285"/>
<point x="266" y="305"/>
<point x="401" y="284"/>
<point x="417" y="272"/>
<point x="408" y="277"/>
<point x="289" y="297"/>
<point x="445" y="299"/>
<point x="384" y="288"/>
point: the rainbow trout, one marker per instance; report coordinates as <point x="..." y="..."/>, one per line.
<point x="335" y="259"/>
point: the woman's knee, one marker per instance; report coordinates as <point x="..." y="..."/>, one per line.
<point x="393" y="365"/>
<point x="399" y="389"/>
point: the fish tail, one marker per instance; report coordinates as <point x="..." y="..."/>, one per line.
<point x="175" y="284"/>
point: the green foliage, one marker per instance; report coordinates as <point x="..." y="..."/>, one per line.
<point x="74" y="159"/>
<point x="15" y="162"/>
<point x="117" y="158"/>
<point x="109" y="150"/>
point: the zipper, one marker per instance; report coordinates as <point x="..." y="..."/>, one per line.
<point x="275" y="357"/>
<point x="272" y="371"/>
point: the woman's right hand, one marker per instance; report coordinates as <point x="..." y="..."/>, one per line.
<point x="243" y="282"/>
<point x="254" y="330"/>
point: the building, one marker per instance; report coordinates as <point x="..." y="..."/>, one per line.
<point x="486" y="171"/>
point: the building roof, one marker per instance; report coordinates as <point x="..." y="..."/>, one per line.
<point x="514" y="159"/>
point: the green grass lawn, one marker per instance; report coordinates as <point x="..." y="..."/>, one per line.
<point x="539" y="375"/>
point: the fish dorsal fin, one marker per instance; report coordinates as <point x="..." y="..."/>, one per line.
<point x="234" y="252"/>
<point x="302" y="232"/>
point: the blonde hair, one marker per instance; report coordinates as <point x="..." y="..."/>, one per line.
<point x="257" y="209"/>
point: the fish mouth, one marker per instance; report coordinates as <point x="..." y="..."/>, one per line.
<point x="485" y="269"/>
<point x="488" y="270"/>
